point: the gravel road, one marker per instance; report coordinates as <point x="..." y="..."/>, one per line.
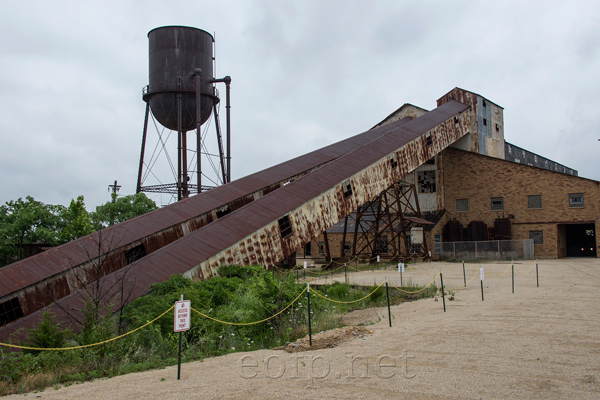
<point x="538" y="343"/>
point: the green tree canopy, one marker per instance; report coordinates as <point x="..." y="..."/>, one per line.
<point x="26" y="222"/>
<point x="76" y="220"/>
<point x="122" y="209"/>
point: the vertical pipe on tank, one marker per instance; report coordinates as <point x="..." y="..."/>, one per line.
<point x="184" y="172"/>
<point x="179" y="181"/>
<point x="228" y="109"/>
<point x="198" y="81"/>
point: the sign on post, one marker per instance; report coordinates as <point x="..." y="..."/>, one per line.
<point x="183" y="311"/>
<point x="481" y="273"/>
<point x="400" y="267"/>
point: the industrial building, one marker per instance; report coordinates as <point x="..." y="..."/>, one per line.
<point x="480" y="191"/>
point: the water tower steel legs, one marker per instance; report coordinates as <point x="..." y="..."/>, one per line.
<point x="139" y="181"/>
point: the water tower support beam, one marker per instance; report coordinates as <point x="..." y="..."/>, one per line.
<point x="139" y="181"/>
<point x="227" y="81"/>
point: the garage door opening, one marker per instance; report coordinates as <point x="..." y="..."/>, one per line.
<point x="580" y="240"/>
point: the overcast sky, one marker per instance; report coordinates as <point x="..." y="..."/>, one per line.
<point x="304" y="74"/>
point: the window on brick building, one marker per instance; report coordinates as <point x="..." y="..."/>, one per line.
<point x="575" y="199"/>
<point x="322" y="248"/>
<point x="537" y="236"/>
<point x="462" y="205"/>
<point x="307" y="249"/>
<point x="381" y="245"/>
<point x="426" y="181"/>
<point x="534" y="201"/>
<point x="346" y="248"/>
<point x="497" y="203"/>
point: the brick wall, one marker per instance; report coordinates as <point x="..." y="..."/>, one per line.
<point x="478" y="178"/>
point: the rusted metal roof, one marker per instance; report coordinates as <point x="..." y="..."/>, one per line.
<point x="313" y="202"/>
<point x="155" y="229"/>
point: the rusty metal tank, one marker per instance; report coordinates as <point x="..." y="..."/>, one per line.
<point x="175" y="54"/>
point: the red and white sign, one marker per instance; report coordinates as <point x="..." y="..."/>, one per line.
<point x="183" y="310"/>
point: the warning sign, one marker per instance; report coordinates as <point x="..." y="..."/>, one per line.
<point x="182" y="315"/>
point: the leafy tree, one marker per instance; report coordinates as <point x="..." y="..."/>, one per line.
<point x="76" y="220"/>
<point x="121" y="209"/>
<point x="27" y="221"/>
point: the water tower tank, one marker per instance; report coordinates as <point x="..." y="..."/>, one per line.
<point x="175" y="52"/>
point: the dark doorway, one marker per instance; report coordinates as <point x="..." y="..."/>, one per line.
<point x="581" y="240"/>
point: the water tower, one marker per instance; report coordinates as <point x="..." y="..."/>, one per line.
<point x="181" y="96"/>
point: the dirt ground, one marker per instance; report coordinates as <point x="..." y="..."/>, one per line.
<point x="538" y="343"/>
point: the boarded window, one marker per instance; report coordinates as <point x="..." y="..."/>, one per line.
<point x="497" y="203"/>
<point x="537" y="236"/>
<point x="534" y="201"/>
<point x="347" y="186"/>
<point x="285" y="227"/>
<point x="575" y="199"/>
<point x="135" y="253"/>
<point x="10" y="311"/>
<point x="426" y="181"/>
<point x="462" y="205"/>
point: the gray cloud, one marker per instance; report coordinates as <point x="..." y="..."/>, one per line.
<point x="305" y="74"/>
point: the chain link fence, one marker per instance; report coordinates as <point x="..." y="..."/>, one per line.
<point x="488" y="250"/>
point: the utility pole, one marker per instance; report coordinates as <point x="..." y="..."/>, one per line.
<point x="115" y="188"/>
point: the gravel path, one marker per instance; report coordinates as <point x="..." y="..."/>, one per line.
<point x="538" y="343"/>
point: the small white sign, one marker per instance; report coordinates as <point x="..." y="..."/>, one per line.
<point x="304" y="264"/>
<point x="400" y="267"/>
<point x="183" y="310"/>
<point x="481" y="273"/>
<point x="378" y="259"/>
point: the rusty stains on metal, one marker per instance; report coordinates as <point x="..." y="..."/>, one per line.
<point x="313" y="201"/>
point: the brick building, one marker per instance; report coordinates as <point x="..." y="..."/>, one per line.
<point x="481" y="188"/>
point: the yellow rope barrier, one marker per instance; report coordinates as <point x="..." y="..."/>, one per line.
<point x="249" y="323"/>
<point x="461" y="285"/>
<point x="420" y="290"/>
<point x="498" y="276"/>
<point x="87" y="345"/>
<point x="528" y="272"/>
<point x="313" y="273"/>
<point x="348" y="302"/>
